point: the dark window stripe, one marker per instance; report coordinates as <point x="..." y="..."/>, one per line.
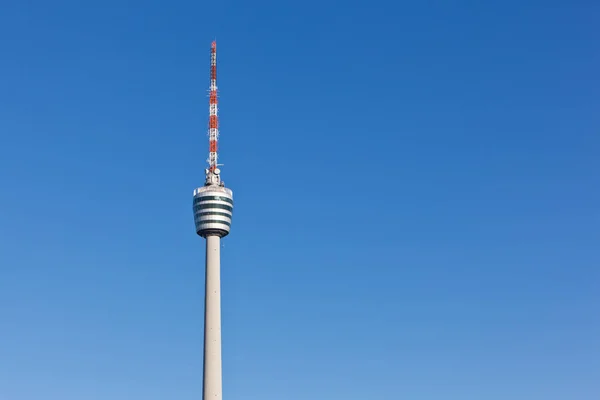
<point x="221" y="198"/>
<point x="205" y="206"/>
<point x="222" y="214"/>
<point x="213" y="221"/>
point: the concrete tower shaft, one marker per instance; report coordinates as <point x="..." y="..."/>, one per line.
<point x="212" y="384"/>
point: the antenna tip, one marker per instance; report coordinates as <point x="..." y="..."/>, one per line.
<point x="214" y="44"/>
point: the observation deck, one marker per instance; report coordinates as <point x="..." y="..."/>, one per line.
<point x="213" y="207"/>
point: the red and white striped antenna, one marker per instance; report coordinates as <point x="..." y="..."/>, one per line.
<point x="212" y="173"/>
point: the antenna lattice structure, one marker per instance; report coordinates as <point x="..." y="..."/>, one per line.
<point x="213" y="121"/>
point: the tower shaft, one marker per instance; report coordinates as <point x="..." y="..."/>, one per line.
<point x="212" y="387"/>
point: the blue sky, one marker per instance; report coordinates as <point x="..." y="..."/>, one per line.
<point x="416" y="189"/>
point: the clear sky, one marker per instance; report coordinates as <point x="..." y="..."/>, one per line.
<point x="416" y="184"/>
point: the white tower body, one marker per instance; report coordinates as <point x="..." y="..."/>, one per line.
<point x="213" y="206"/>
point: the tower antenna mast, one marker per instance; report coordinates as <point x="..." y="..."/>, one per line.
<point x="213" y="172"/>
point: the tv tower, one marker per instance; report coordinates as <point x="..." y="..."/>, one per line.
<point x="213" y="205"/>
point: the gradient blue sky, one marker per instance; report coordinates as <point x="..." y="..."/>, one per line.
<point x="417" y="199"/>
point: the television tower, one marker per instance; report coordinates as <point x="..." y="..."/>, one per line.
<point x="213" y="205"/>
